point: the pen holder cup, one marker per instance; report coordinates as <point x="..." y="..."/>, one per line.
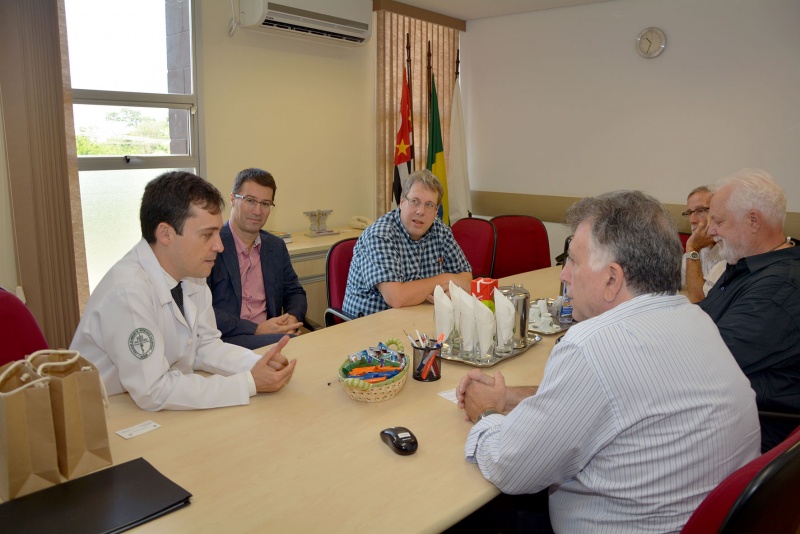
<point x="427" y="365"/>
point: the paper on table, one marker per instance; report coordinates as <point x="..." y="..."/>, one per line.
<point x="450" y="395"/>
<point x="484" y="325"/>
<point x="467" y="321"/>
<point x="442" y="312"/>
<point x="504" y="316"/>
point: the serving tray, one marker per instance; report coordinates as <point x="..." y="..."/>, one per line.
<point x="530" y="340"/>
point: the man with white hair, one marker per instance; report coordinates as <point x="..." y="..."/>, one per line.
<point x="632" y="425"/>
<point x="756" y="302"/>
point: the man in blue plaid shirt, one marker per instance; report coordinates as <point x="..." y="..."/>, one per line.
<point x="404" y="255"/>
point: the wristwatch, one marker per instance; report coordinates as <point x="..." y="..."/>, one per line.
<point x="693" y="255"/>
<point x="487" y="413"/>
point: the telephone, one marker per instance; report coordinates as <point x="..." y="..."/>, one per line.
<point x="360" y="222"/>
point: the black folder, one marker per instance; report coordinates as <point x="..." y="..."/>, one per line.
<point x="112" y="500"/>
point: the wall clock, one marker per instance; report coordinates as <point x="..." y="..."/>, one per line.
<point x="650" y="42"/>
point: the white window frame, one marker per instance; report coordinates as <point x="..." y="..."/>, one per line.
<point x="189" y="102"/>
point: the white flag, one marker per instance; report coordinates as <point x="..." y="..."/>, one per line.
<point x="457" y="174"/>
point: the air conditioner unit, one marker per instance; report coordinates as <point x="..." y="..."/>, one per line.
<point x="342" y="21"/>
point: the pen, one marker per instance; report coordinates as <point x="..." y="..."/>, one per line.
<point x="429" y="365"/>
<point x="411" y="339"/>
<point x="439" y="340"/>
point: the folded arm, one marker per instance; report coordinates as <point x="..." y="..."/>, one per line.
<point x="400" y="294"/>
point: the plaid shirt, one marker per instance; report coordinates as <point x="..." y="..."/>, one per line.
<point x="386" y="253"/>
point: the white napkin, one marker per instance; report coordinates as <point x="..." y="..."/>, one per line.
<point x="504" y="313"/>
<point x="455" y="295"/>
<point x="442" y="312"/>
<point x="467" y="324"/>
<point x="484" y="325"/>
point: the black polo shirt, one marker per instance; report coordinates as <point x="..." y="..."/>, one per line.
<point x="756" y="306"/>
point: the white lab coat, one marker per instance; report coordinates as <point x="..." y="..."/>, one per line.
<point x="134" y="333"/>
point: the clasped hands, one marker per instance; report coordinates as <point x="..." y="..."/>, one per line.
<point x="273" y="370"/>
<point x="284" y="324"/>
<point x="478" y="392"/>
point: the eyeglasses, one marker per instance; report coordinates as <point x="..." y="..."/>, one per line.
<point x="266" y="204"/>
<point x="416" y="203"/>
<point x="702" y="210"/>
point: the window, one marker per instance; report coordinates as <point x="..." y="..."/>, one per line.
<point x="135" y="112"/>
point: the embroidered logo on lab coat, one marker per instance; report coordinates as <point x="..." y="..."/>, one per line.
<point x="141" y="343"/>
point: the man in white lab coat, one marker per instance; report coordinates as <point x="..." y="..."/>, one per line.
<point x="150" y="323"/>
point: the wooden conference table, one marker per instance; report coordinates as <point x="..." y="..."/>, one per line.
<point x="310" y="459"/>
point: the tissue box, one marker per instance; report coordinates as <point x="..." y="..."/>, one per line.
<point x="483" y="288"/>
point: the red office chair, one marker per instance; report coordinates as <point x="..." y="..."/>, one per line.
<point x="684" y="237"/>
<point x="478" y="239"/>
<point x="522" y="245"/>
<point x="18" y="329"/>
<point x="337" y="267"/>
<point x="761" y="496"/>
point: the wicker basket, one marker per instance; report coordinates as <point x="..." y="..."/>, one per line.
<point x="365" y="392"/>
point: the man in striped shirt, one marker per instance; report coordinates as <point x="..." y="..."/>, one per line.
<point x="642" y="409"/>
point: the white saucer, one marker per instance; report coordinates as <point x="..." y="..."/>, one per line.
<point x="554" y="330"/>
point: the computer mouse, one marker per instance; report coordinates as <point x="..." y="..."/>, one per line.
<point x="400" y="440"/>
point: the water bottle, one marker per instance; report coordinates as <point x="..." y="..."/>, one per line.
<point x="565" y="314"/>
<point x="565" y="310"/>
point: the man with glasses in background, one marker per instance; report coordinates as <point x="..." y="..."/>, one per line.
<point x="702" y="265"/>
<point x="404" y="255"/>
<point x="257" y="296"/>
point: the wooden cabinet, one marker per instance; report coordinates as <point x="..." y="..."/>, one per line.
<point x="308" y="259"/>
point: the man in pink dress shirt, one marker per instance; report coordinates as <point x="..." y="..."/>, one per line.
<point x="257" y="296"/>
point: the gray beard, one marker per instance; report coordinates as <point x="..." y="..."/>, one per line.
<point x="727" y="253"/>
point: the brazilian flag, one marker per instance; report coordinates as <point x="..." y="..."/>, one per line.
<point x="435" y="162"/>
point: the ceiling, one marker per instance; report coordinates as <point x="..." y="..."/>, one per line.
<point x="480" y="9"/>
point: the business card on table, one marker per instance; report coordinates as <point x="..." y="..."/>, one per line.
<point x="137" y="430"/>
<point x="450" y="395"/>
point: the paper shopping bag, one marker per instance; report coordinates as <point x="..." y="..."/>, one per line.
<point x="79" y="416"/>
<point x="28" y="457"/>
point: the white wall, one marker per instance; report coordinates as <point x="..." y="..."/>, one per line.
<point x="557" y="102"/>
<point x="305" y="111"/>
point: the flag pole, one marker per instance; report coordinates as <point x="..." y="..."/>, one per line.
<point x="410" y="96"/>
<point x="430" y="71"/>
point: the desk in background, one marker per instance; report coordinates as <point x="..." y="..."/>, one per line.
<point x="309" y="459"/>
<point x="308" y="259"/>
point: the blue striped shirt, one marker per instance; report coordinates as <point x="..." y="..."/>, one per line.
<point x="642" y="411"/>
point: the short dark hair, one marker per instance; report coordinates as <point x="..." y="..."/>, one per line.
<point x="259" y="176"/>
<point x="634" y="230"/>
<point x="169" y="198"/>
